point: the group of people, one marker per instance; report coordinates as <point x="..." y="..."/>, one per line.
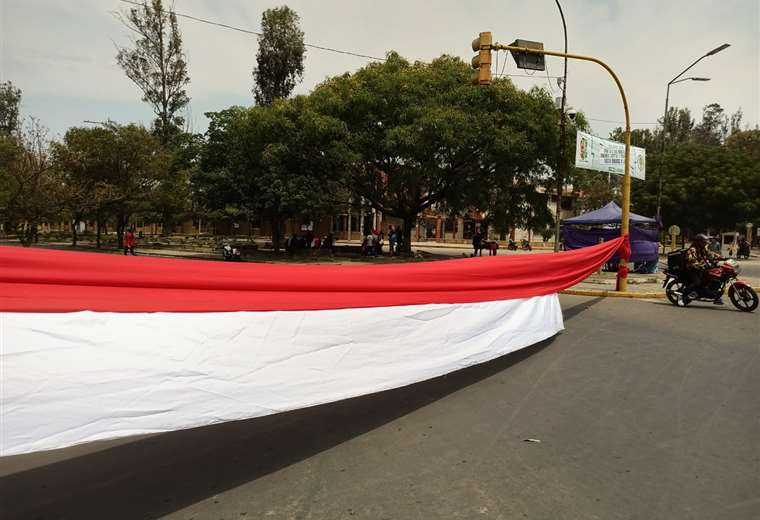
<point x="373" y="242"/>
<point x="741" y="248"/>
<point x="309" y="241"/>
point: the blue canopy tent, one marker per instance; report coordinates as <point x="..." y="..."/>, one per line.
<point x="604" y="224"/>
<point x="609" y="214"/>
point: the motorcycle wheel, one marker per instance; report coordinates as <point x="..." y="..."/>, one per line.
<point x="744" y="298"/>
<point x="671" y="290"/>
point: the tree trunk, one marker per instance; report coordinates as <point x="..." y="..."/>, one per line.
<point x="98" y="226"/>
<point x="74" y="226"/>
<point x="120" y="230"/>
<point x="505" y="229"/>
<point x="409" y="221"/>
<point x="276" y="234"/>
<point x="167" y="222"/>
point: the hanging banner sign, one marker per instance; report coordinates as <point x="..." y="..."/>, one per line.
<point x="595" y="153"/>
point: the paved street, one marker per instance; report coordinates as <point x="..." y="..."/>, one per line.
<point x="643" y="411"/>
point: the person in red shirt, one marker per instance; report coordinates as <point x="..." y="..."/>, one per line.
<point x="129" y="242"/>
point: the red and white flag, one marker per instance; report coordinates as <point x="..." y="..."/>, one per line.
<point x="99" y="346"/>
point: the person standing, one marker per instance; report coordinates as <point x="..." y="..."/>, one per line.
<point x="391" y="239"/>
<point x="477" y="243"/>
<point x="715" y="245"/>
<point x="731" y="248"/>
<point x="130" y="242"/>
<point x="743" y="249"/>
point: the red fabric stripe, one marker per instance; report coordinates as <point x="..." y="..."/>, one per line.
<point x="41" y="280"/>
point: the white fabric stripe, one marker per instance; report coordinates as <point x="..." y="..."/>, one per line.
<point x="77" y="377"/>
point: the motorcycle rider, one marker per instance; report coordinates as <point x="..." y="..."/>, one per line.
<point x="698" y="259"/>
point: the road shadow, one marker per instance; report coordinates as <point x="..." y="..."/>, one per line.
<point x="572" y="312"/>
<point x="699" y="306"/>
<point x="154" y="476"/>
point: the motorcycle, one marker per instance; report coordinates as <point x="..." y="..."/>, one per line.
<point x="231" y="254"/>
<point x="524" y="245"/>
<point x="719" y="278"/>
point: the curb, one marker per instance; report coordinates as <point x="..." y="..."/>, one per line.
<point x="618" y="294"/>
<point x="614" y="294"/>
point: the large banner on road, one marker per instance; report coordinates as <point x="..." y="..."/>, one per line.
<point x="595" y="153"/>
<point x="99" y="346"/>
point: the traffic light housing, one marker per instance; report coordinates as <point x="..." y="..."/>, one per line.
<point x="528" y="61"/>
<point x="482" y="60"/>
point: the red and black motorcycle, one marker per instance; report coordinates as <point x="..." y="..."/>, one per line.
<point x="718" y="278"/>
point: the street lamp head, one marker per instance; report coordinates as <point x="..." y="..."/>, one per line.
<point x="688" y="79"/>
<point x="716" y="50"/>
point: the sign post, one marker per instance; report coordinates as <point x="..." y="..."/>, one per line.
<point x="674" y="232"/>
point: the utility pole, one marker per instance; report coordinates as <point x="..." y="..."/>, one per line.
<point x="562" y="140"/>
<point x="665" y="117"/>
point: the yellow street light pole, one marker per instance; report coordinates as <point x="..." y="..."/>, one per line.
<point x="622" y="278"/>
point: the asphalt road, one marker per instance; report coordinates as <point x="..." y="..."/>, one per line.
<point x="644" y="411"/>
<point x="750" y="268"/>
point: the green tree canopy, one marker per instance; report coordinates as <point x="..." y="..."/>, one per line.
<point x="279" y="60"/>
<point x="422" y="135"/>
<point x="281" y="161"/>
<point x="82" y="159"/>
<point x="157" y="64"/>
<point x="705" y="187"/>
<point x="32" y="186"/>
<point x="114" y="170"/>
<point x="10" y="100"/>
<point x="746" y="141"/>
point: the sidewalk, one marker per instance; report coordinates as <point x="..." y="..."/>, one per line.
<point x="467" y="245"/>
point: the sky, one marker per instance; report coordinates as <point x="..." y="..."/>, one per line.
<point x="62" y="53"/>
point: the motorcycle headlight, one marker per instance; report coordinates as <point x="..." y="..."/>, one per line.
<point x="734" y="265"/>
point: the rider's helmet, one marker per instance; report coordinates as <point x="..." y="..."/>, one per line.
<point x="701" y="239"/>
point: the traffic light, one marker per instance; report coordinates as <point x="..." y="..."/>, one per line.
<point x="528" y="61"/>
<point x="482" y="61"/>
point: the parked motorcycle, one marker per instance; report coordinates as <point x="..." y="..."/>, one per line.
<point x="719" y="278"/>
<point x="524" y="245"/>
<point x="231" y="254"/>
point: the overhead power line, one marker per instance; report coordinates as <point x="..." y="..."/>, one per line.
<point x="248" y="31"/>
<point x="359" y="55"/>
<point x="620" y="122"/>
<point x="524" y="76"/>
